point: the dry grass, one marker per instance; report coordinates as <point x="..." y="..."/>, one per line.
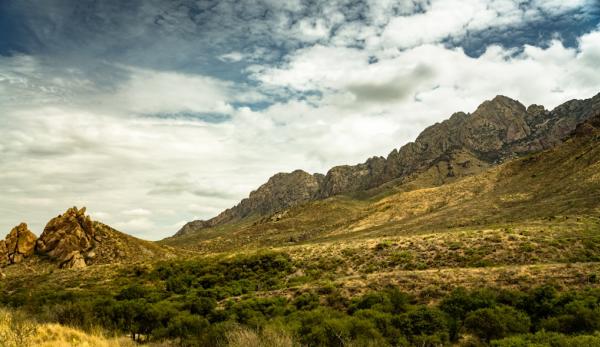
<point x="560" y="240"/>
<point x="269" y="337"/>
<point x="17" y="330"/>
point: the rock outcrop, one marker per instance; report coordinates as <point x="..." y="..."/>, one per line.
<point x="498" y="130"/>
<point x="73" y="240"/>
<point x="68" y="238"/>
<point x="18" y="245"/>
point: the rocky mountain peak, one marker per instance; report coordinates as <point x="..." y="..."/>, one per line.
<point x="502" y="102"/>
<point x="282" y="190"/>
<point x="18" y="245"/>
<point x="68" y="238"/>
<point x="495" y="123"/>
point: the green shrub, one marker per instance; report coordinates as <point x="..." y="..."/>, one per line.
<point x="425" y="321"/>
<point x="306" y="301"/>
<point x="496" y="322"/>
<point x="543" y="338"/>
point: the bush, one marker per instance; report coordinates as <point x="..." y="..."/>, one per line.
<point x="201" y="305"/>
<point x="548" y="339"/>
<point x="327" y="327"/>
<point x="461" y="302"/>
<point x="496" y="322"/>
<point x="176" y="302"/>
<point x="576" y="317"/>
<point x="425" y="322"/>
<point x="306" y="301"/>
<point x="190" y="328"/>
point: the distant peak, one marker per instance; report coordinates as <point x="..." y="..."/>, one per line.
<point x="503" y="98"/>
<point x="500" y="102"/>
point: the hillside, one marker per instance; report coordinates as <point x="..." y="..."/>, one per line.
<point x="498" y="130"/>
<point x="560" y="181"/>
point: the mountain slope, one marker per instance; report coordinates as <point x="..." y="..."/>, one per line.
<point x="563" y="180"/>
<point x="463" y="145"/>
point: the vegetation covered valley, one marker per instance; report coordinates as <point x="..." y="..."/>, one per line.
<point x="258" y="297"/>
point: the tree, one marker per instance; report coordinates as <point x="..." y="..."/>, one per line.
<point x="496" y="322"/>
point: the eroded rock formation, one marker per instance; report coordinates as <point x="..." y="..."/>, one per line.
<point x="18" y="245"/>
<point x="68" y="238"/>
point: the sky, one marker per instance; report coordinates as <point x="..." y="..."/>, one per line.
<point x="154" y="113"/>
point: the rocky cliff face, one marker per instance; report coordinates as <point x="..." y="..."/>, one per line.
<point x="280" y="192"/>
<point x="18" y="245"/>
<point x="499" y="129"/>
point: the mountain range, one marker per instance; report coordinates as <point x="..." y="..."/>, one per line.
<point x="465" y="144"/>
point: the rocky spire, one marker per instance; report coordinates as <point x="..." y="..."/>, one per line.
<point x="68" y="238"/>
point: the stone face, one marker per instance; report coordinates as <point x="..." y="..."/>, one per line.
<point x="281" y="191"/>
<point x="74" y="260"/>
<point x="346" y="178"/>
<point x="67" y="237"/>
<point x="498" y="130"/>
<point x="18" y="245"/>
<point x="3" y="253"/>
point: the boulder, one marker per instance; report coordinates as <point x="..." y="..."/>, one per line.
<point x="74" y="261"/>
<point x="18" y="245"/>
<point x="67" y="237"/>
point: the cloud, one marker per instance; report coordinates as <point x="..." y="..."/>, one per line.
<point x="184" y="183"/>
<point x="173" y="113"/>
<point x="136" y="225"/>
<point x="154" y="91"/>
<point x="99" y="215"/>
<point x="454" y="18"/>
<point x="232" y="57"/>
<point x="391" y="90"/>
<point x="429" y="70"/>
<point x="137" y="212"/>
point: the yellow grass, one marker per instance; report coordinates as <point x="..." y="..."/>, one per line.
<point x="244" y="337"/>
<point x="17" y="330"/>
